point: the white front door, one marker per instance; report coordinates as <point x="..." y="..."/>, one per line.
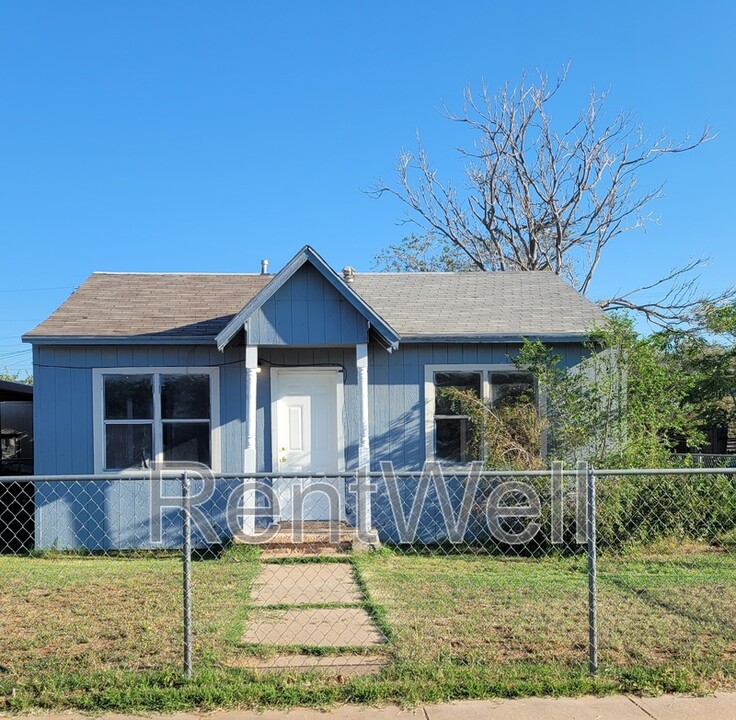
<point x="306" y="437"/>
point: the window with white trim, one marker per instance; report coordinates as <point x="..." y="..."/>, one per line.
<point x="449" y="434"/>
<point x="146" y="416"/>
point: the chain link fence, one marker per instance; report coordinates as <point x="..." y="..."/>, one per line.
<point x="446" y="577"/>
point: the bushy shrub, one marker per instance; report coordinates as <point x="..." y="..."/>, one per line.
<point x="641" y="509"/>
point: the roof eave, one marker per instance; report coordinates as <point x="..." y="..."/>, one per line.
<point x="495" y="337"/>
<point x="16" y="387"/>
<point x="117" y="340"/>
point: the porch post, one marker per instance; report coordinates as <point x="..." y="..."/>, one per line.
<point x="364" y="448"/>
<point x="251" y="385"/>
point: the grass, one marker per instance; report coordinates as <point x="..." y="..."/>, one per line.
<point x="104" y="634"/>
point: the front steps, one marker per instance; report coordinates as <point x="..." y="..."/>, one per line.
<point x="288" y="539"/>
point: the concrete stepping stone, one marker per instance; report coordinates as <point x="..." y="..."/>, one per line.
<point x="305" y="583"/>
<point x="346" y="665"/>
<point x="334" y="627"/>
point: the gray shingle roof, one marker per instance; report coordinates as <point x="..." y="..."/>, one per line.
<point x="478" y="303"/>
<point x="473" y="304"/>
<point x="166" y="305"/>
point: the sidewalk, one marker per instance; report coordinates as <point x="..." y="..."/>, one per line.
<point x="618" y="707"/>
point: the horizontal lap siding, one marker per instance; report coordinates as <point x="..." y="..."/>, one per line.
<point x="307" y="310"/>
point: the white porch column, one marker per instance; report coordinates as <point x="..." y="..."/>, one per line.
<point x="251" y="389"/>
<point x="364" y="447"/>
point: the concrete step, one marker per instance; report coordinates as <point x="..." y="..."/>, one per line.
<point x="307" y="538"/>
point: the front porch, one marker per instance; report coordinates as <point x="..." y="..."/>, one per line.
<point x="306" y="438"/>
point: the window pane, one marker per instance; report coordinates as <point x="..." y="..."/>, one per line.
<point x="128" y="446"/>
<point x="128" y="397"/>
<point x="187" y="442"/>
<point x="185" y="396"/>
<point x="465" y="381"/>
<point x="509" y="387"/>
<point x="453" y="438"/>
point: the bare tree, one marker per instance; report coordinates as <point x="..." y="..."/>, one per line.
<point x="536" y="198"/>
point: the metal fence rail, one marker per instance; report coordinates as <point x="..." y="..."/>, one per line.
<point x="608" y="568"/>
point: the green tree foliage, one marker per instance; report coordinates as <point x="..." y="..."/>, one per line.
<point x="624" y="406"/>
<point x="16" y="376"/>
<point x="710" y="358"/>
<point x="422" y="253"/>
<point x="531" y="189"/>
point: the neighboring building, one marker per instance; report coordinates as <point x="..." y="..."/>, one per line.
<point x="16" y="458"/>
<point x="305" y="371"/>
<point x="16" y="428"/>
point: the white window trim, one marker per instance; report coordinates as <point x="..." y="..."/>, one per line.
<point x="429" y="397"/>
<point x="340" y="397"/>
<point x="98" y="411"/>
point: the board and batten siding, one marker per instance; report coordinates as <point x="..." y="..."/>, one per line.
<point x="307" y="310"/>
<point x="103" y="515"/>
<point x="63" y="398"/>
<point x="63" y="395"/>
<point x="396" y="391"/>
<point x="111" y="514"/>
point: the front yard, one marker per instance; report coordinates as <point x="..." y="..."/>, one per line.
<point x="105" y="633"/>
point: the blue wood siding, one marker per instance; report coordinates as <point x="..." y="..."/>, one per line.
<point x="116" y="515"/>
<point x="62" y="405"/>
<point x="110" y="514"/>
<point x="396" y="392"/>
<point x="307" y="310"/>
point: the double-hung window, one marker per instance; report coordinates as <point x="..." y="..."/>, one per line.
<point x="449" y="434"/>
<point x="145" y="416"/>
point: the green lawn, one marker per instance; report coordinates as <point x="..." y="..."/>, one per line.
<point x="104" y="633"/>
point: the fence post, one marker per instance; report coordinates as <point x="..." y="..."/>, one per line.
<point x="592" y="574"/>
<point x="187" y="571"/>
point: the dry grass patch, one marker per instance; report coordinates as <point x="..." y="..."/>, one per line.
<point x="101" y="613"/>
<point x="656" y="608"/>
<point x="480" y="609"/>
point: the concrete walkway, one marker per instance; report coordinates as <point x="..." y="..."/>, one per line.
<point x="315" y="605"/>
<point x="618" y="707"/>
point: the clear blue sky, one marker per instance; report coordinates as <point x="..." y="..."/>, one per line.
<point x="170" y="136"/>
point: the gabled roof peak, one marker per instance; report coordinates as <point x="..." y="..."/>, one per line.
<point x="308" y="255"/>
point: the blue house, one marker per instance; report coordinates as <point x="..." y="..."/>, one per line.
<point x="305" y="371"/>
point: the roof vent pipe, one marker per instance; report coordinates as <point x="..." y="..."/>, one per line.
<point x="264" y="267"/>
<point x="348" y="274"/>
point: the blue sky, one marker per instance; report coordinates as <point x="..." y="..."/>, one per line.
<point x="170" y="136"/>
